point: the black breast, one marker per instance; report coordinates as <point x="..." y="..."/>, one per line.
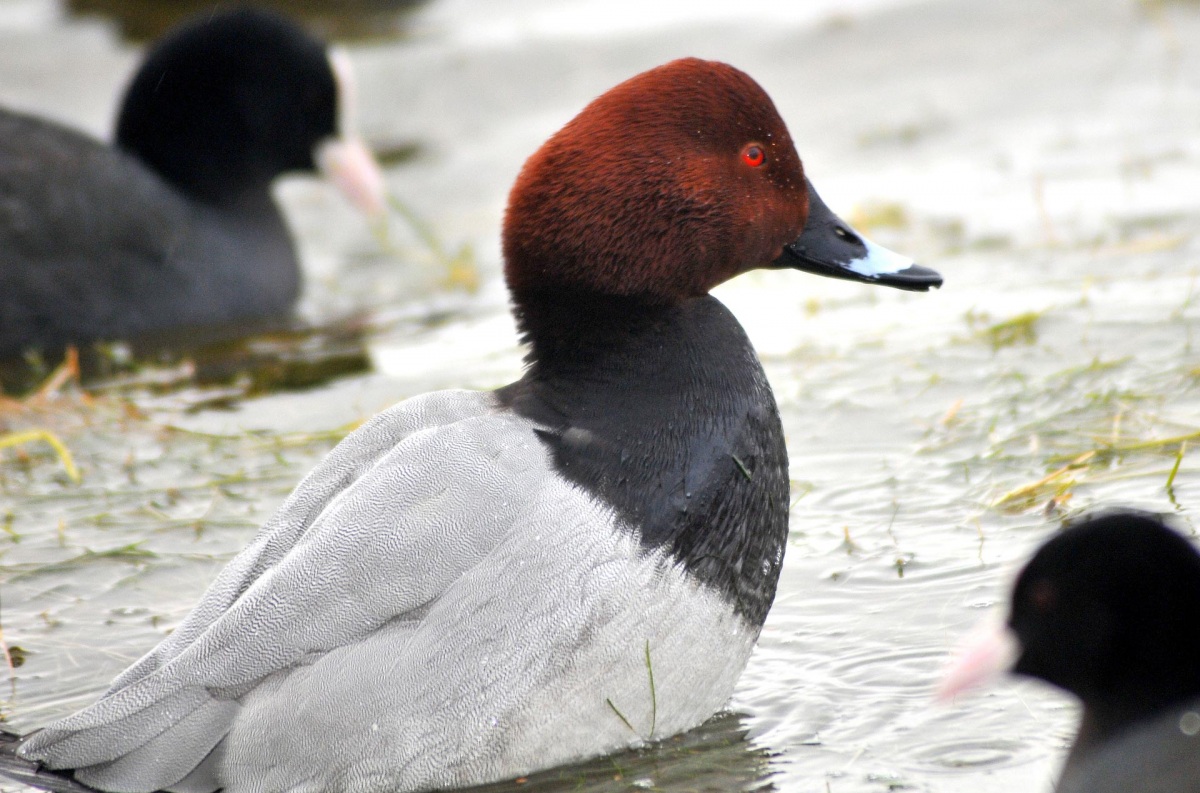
<point x="665" y="414"/>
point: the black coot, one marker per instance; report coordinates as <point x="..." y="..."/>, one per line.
<point x="1109" y="610"/>
<point x="173" y="226"/>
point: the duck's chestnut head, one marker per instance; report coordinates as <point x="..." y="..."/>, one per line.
<point x="662" y="188"/>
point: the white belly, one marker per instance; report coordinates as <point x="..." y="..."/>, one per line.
<point x="534" y="658"/>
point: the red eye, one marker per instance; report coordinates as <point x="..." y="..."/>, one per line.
<point x="754" y="156"/>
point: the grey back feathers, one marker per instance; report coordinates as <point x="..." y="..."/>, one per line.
<point x="433" y="606"/>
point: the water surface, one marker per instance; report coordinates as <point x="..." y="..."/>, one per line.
<point x="1043" y="157"/>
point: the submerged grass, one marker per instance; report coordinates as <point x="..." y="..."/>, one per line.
<point x="134" y="531"/>
<point x="1019" y="329"/>
<point x="1134" y="447"/>
<point x="460" y="269"/>
<point x="1086" y="425"/>
<point x="139" y="488"/>
<point x="1175" y="470"/>
<point x="32" y="436"/>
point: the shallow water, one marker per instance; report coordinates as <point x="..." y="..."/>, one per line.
<point x="1044" y="157"/>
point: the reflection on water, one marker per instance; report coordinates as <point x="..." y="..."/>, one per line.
<point x="1041" y="156"/>
<point x="717" y="756"/>
<point x="250" y="360"/>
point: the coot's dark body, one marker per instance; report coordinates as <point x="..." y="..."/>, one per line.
<point x="174" y="225"/>
<point x="108" y="249"/>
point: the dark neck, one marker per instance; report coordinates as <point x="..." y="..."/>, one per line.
<point x="664" y="413"/>
<point x="567" y="332"/>
<point x="256" y="204"/>
<point x="202" y="176"/>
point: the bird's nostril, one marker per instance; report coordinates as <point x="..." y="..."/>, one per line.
<point x="845" y="233"/>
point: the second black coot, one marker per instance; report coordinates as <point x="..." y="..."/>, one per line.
<point x="1109" y="610"/>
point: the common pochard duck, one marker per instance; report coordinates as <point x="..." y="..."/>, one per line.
<point x="473" y="586"/>
<point x="1109" y="610"/>
<point x="173" y="226"/>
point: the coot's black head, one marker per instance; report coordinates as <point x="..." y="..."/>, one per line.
<point x="229" y="101"/>
<point x="1110" y="610"/>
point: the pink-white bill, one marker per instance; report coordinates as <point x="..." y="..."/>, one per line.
<point x="349" y="164"/>
<point x="346" y="161"/>
<point x="991" y="651"/>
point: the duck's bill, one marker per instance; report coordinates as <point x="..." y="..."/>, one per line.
<point x="829" y="246"/>
<point x="991" y="651"/>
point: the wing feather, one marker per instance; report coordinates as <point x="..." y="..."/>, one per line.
<point x="381" y="529"/>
